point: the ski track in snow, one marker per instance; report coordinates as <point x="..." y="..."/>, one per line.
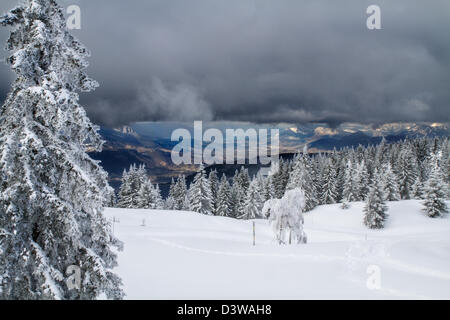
<point x="307" y="257"/>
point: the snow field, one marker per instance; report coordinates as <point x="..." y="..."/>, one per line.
<point x="185" y="255"/>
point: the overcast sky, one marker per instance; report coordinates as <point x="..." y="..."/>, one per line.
<point x="263" y="60"/>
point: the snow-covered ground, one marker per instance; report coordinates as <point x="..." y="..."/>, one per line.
<point x="184" y="255"/>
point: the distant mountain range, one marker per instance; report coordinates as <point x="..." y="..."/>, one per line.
<point x="150" y="144"/>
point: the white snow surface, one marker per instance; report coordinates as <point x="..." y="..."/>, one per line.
<point x="185" y="255"/>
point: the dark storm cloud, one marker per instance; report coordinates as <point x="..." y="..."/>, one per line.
<point x="265" y="61"/>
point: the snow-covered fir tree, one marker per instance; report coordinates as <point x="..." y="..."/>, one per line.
<point x="146" y="196"/>
<point x="253" y="202"/>
<point x="349" y="192"/>
<point x="159" y="201"/>
<point x="406" y="171"/>
<point x="235" y="196"/>
<point x="178" y="191"/>
<point x="375" y="209"/>
<point x="269" y="191"/>
<point x="51" y="192"/>
<point x="241" y="183"/>
<point x="391" y="189"/>
<point x="224" y="208"/>
<point x="417" y="189"/>
<point x="214" y="183"/>
<point x="125" y="196"/>
<point x="169" y="203"/>
<point x="362" y="183"/>
<point x="301" y="178"/>
<point x="329" y="188"/>
<point x="435" y="190"/>
<point x="132" y="181"/>
<point x="149" y="196"/>
<point x="200" y="193"/>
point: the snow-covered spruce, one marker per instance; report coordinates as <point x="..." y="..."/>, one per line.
<point x="286" y="216"/>
<point x="328" y="182"/>
<point x="224" y="198"/>
<point x="435" y="190"/>
<point x="132" y="182"/>
<point x="391" y="189"/>
<point x="138" y="192"/>
<point x="178" y="192"/>
<point x="214" y="184"/>
<point x="200" y="193"/>
<point x="253" y="202"/>
<point x="375" y="210"/>
<point x="301" y="177"/>
<point x="51" y="191"/>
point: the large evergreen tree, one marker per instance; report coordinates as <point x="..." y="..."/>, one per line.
<point x="51" y="191"/>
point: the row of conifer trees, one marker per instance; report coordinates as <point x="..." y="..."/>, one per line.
<point x="410" y="169"/>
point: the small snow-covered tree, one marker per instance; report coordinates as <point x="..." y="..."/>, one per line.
<point x="329" y="188"/>
<point x="406" y="171"/>
<point x="391" y="189"/>
<point x="417" y="189"/>
<point x="235" y="195"/>
<point x="302" y="177"/>
<point x="214" y="183"/>
<point x="362" y="182"/>
<point x="375" y="209"/>
<point x="435" y="190"/>
<point x="124" y="198"/>
<point x="138" y="177"/>
<point x="200" y="193"/>
<point x="253" y="202"/>
<point x="224" y="198"/>
<point x="146" y="196"/>
<point x="179" y="193"/>
<point x="169" y="204"/>
<point x="159" y="201"/>
<point x="149" y="196"/>
<point x="132" y="181"/>
<point x="51" y="191"/>
<point x="241" y="183"/>
<point x="286" y="216"/>
<point x="349" y="193"/>
<point x="269" y="191"/>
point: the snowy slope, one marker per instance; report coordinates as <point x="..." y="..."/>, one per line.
<point x="183" y="255"/>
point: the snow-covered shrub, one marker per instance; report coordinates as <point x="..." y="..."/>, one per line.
<point x="286" y="216"/>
